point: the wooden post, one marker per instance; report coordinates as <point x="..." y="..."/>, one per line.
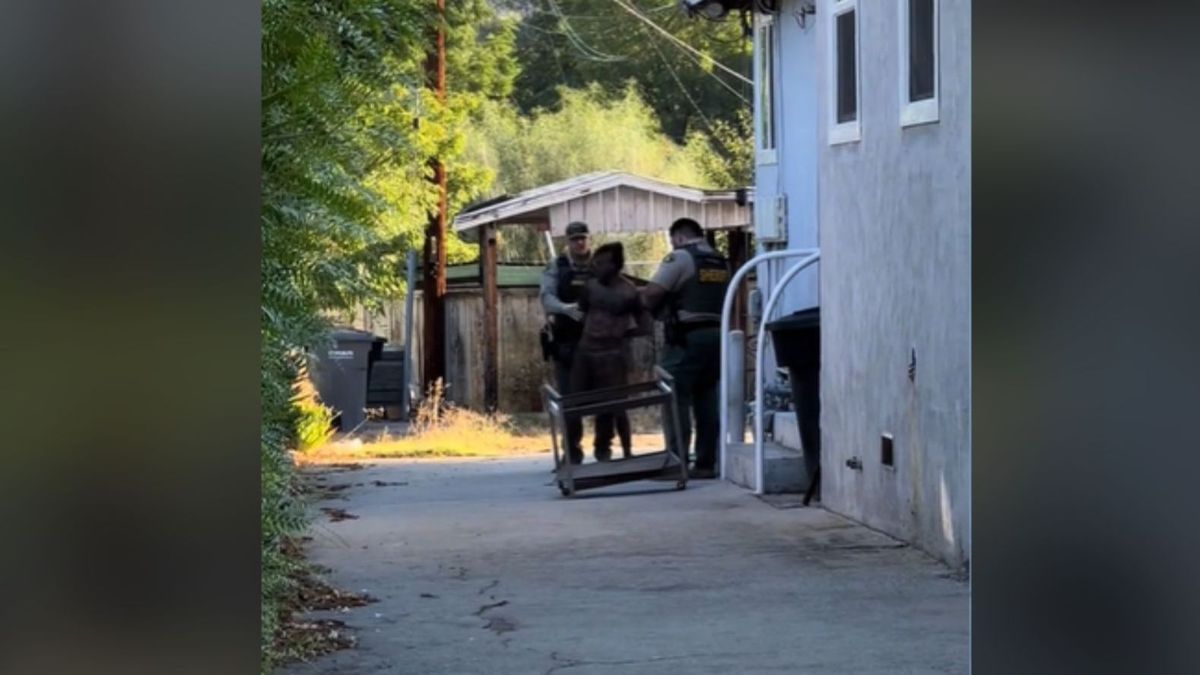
<point x="434" y="286"/>
<point x="410" y="289"/>
<point x="491" y="314"/>
<point x="543" y="228"/>
<point x="739" y="244"/>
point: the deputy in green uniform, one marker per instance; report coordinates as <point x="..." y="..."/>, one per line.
<point x="562" y="282"/>
<point x="687" y="293"/>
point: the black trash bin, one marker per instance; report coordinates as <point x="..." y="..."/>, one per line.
<point x="797" y="341"/>
<point x="386" y="383"/>
<point x="340" y="374"/>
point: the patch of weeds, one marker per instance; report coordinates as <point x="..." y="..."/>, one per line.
<point x="305" y="640"/>
<point x="440" y="429"/>
<point x="298" y="638"/>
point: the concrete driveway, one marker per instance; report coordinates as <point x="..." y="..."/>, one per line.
<point x="482" y="567"/>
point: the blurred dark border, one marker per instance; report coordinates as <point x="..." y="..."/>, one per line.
<point x="129" y="266"/>
<point x="1086" y="338"/>
<point x="130" y="292"/>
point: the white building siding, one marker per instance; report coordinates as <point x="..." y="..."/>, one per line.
<point x="894" y="210"/>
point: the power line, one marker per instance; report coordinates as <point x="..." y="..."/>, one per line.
<point x="682" y="88"/>
<point x="711" y="74"/>
<point x="592" y="54"/>
<point x="585" y="50"/>
<point x="704" y="70"/>
<point x="716" y="77"/>
<point x="704" y="118"/>
<point x="675" y="76"/>
<point x="644" y="19"/>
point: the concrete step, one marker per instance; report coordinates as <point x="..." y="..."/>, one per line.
<point x="786" y="430"/>
<point x="784" y="472"/>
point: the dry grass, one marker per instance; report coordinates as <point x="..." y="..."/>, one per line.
<point x="440" y="430"/>
<point x="460" y="433"/>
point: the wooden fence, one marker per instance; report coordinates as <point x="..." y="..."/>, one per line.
<point x="521" y="368"/>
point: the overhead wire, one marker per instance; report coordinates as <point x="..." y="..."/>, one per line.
<point x="593" y="54"/>
<point x="675" y="76"/>
<point x="700" y="64"/>
<point x="587" y="51"/>
<point x="683" y="89"/>
<point x="713" y="75"/>
<point x="716" y="77"/>
<point x="646" y="20"/>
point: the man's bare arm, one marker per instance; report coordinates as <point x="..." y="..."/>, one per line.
<point x="645" y="324"/>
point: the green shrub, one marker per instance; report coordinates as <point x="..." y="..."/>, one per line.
<point x="345" y="195"/>
<point x="313" y="428"/>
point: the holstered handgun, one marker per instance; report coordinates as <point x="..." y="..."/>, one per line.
<point x="673" y="333"/>
<point x="546" y="335"/>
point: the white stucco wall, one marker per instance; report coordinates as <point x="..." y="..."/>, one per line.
<point x="894" y="210"/>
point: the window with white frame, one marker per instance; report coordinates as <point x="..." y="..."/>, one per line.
<point x="918" y="61"/>
<point x="843" y="70"/>
<point x="764" y="81"/>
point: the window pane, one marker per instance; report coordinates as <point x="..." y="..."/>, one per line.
<point x="764" y="95"/>
<point x="847" y="92"/>
<point x="770" y="109"/>
<point x="920" y="49"/>
<point x="766" y="79"/>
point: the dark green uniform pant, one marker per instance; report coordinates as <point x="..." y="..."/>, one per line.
<point x="564" y="358"/>
<point x="696" y="368"/>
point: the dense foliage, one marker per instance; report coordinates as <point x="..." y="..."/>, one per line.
<point x="588" y="131"/>
<point x="565" y="46"/>
<point x="578" y="42"/>
<point x="347" y="128"/>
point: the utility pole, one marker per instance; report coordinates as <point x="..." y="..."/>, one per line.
<point x="434" y="261"/>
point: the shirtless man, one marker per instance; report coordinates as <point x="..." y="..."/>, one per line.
<point x="613" y="313"/>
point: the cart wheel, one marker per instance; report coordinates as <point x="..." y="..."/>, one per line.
<point x="679" y="485"/>
<point x="563" y="489"/>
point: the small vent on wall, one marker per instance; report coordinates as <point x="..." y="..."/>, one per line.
<point x="887" y="454"/>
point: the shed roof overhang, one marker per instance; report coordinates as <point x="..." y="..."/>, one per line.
<point x="611" y="202"/>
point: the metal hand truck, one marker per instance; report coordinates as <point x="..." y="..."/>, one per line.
<point x="667" y="464"/>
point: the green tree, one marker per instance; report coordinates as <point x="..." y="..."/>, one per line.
<point x="347" y="128"/>
<point x="590" y="131"/>
<point x="575" y="43"/>
<point x="724" y="153"/>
